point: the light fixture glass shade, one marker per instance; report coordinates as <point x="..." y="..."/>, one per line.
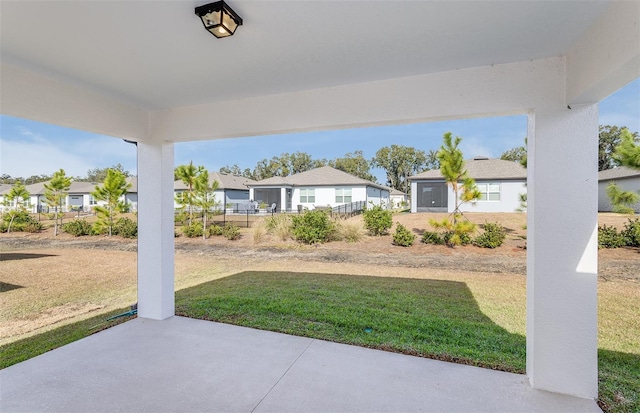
<point x="219" y="19"/>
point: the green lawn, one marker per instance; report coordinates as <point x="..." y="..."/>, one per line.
<point x="430" y="318"/>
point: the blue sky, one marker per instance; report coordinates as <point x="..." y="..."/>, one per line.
<point x="32" y="148"/>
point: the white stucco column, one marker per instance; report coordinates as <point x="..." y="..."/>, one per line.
<point x="562" y="333"/>
<point x="155" y="231"/>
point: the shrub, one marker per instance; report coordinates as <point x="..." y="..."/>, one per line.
<point x="33" y="227"/>
<point x="231" y="232"/>
<point x="77" y="227"/>
<point x="313" y="227"/>
<point x="19" y="221"/>
<point x="609" y="237"/>
<point x="631" y="233"/>
<point x="454" y="230"/>
<point x="194" y="230"/>
<point x="402" y="236"/>
<point x="215" y="230"/>
<point x="377" y="220"/>
<point x="126" y="228"/>
<point x="430" y="237"/>
<point x="492" y="237"/>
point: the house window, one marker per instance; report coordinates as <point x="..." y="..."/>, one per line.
<point x="92" y="200"/>
<point x="307" y="195"/>
<point x="343" y="195"/>
<point x="489" y="192"/>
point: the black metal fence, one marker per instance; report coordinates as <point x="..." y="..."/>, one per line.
<point x="351" y="209"/>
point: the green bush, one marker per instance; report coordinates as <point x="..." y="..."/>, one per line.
<point x="402" y="236"/>
<point x="452" y="238"/>
<point x="22" y="222"/>
<point x="313" y="227"/>
<point x="631" y="233"/>
<point x="194" y="230"/>
<point x="231" y="232"/>
<point x="430" y="237"/>
<point x="609" y="237"/>
<point x="77" y="227"/>
<point x="377" y="220"/>
<point x="492" y="237"/>
<point x="126" y="228"/>
<point x="32" y="227"/>
<point x="215" y="230"/>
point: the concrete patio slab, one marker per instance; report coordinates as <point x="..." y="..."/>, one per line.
<point x="185" y="365"/>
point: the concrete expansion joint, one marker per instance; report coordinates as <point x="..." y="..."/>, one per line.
<point x="283" y="375"/>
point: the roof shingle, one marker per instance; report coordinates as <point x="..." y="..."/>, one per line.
<point x="483" y="168"/>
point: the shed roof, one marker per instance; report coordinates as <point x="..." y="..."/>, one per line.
<point x="617" y="173"/>
<point x="483" y="168"/>
<point x="323" y="176"/>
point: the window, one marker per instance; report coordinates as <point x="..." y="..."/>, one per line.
<point x="92" y="200"/>
<point x="489" y="192"/>
<point x="307" y="195"/>
<point x="343" y="195"/>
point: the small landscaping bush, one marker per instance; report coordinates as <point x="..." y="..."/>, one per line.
<point x="19" y="221"/>
<point x="126" y="228"/>
<point x="402" y="236"/>
<point x="231" y="232"/>
<point x="77" y="227"/>
<point x="313" y="227"/>
<point x="454" y="230"/>
<point x="492" y="237"/>
<point x="32" y="227"/>
<point x="215" y="230"/>
<point x="377" y="220"/>
<point x="631" y="233"/>
<point x="194" y="230"/>
<point x="430" y="237"/>
<point x="609" y="237"/>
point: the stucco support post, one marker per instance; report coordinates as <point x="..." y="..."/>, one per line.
<point x="562" y="333"/>
<point x="155" y="231"/>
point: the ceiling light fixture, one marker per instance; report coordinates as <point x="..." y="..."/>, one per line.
<point x="219" y="19"/>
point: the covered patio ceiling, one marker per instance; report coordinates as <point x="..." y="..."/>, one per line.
<point x="149" y="72"/>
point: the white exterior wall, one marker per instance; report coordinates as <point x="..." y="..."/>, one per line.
<point x="626" y="184"/>
<point x="377" y="196"/>
<point x="509" y="198"/>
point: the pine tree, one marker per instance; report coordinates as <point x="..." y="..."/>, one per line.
<point x="627" y="153"/>
<point x="55" y="192"/>
<point x="18" y="194"/>
<point x="205" y="197"/>
<point x="189" y="175"/>
<point x="114" y="187"/>
<point x="464" y="189"/>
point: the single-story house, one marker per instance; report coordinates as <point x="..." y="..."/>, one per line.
<point x="231" y="189"/>
<point x="397" y="198"/>
<point x="320" y="187"/>
<point x="500" y="182"/>
<point x="626" y="178"/>
<point x="78" y="196"/>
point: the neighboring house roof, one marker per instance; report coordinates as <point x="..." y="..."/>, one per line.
<point x="394" y="192"/>
<point x="78" y="187"/>
<point x="225" y="181"/>
<point x="482" y="168"/>
<point x="5" y="188"/>
<point x="323" y="176"/>
<point x="617" y="173"/>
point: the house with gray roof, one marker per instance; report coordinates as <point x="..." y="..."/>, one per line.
<point x="231" y="189"/>
<point x="320" y="187"/>
<point x="78" y="196"/>
<point x="500" y="182"/>
<point x="626" y="178"/>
